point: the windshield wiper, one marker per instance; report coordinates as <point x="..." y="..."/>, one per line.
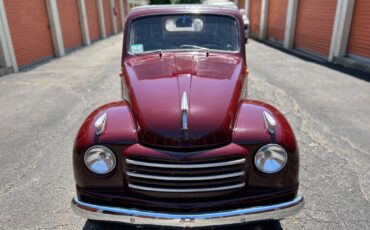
<point x="195" y="47"/>
<point x="160" y="51"/>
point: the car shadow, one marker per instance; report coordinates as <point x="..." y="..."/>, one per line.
<point x="100" y="225"/>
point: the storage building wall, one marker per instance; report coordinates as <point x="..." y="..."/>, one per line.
<point x="255" y="17"/>
<point x="107" y="17"/>
<point x="93" y="19"/>
<point x="117" y="15"/>
<point x="30" y="31"/>
<point x="359" y="39"/>
<point x="277" y="11"/>
<point x="70" y="23"/>
<point x="314" y="26"/>
<point x="241" y="4"/>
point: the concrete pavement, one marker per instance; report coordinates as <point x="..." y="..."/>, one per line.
<point x="329" y="112"/>
<point x="42" y="109"/>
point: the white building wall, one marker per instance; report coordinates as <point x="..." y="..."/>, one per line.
<point x="7" y="54"/>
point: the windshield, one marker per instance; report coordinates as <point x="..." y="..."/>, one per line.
<point x="184" y="32"/>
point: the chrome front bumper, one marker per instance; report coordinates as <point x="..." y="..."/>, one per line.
<point x="138" y="217"/>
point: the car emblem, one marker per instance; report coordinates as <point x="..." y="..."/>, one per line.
<point x="184" y="116"/>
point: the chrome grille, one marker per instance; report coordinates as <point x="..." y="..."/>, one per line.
<point x="185" y="177"/>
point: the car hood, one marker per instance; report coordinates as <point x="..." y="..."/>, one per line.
<point x="156" y="85"/>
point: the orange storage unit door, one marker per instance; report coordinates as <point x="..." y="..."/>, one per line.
<point x="126" y="7"/>
<point x="359" y="38"/>
<point x="314" y="26"/>
<point x="29" y="30"/>
<point x="93" y="19"/>
<point x="107" y="17"/>
<point x="276" y="20"/>
<point x="117" y="14"/>
<point x="70" y="23"/>
<point x="241" y="4"/>
<point x="255" y="17"/>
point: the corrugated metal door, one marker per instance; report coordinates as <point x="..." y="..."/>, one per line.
<point x="255" y="17"/>
<point x="30" y="31"/>
<point x="118" y="15"/>
<point x="70" y="23"/>
<point x="241" y="4"/>
<point x="93" y="19"/>
<point x="107" y="17"/>
<point x="125" y="7"/>
<point x="314" y="27"/>
<point x="276" y="20"/>
<point x="359" y="39"/>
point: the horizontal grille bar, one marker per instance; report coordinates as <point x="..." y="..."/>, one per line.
<point x="186" y="177"/>
<point x="183" y="178"/>
<point x="212" y="189"/>
<point x="186" y="172"/>
<point x="186" y="166"/>
<point x="185" y="184"/>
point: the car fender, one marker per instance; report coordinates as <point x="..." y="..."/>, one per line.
<point x="250" y="130"/>
<point x="119" y="133"/>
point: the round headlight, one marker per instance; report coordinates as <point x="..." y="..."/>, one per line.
<point x="270" y="158"/>
<point x="100" y="159"/>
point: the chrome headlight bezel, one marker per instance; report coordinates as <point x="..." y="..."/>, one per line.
<point x="278" y="151"/>
<point x="103" y="150"/>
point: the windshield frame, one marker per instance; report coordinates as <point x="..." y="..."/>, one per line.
<point x="127" y="40"/>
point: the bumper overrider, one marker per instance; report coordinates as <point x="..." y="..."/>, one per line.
<point x="142" y="217"/>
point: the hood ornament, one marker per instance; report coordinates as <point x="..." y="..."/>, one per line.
<point x="184" y="116"/>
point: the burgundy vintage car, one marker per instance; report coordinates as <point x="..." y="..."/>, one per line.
<point x="184" y="147"/>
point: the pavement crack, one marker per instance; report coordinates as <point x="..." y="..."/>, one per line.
<point x="340" y="218"/>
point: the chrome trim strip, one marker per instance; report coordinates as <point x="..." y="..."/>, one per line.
<point x="184" y="116"/>
<point x="182" y="190"/>
<point x="185" y="166"/>
<point x="270" y="122"/>
<point x="142" y="217"/>
<point x="184" y="102"/>
<point x="244" y="91"/>
<point x="194" y="178"/>
<point x="100" y="124"/>
<point x="124" y="90"/>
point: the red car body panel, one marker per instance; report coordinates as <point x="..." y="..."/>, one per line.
<point x="120" y="125"/>
<point x="250" y="127"/>
<point x="213" y="86"/>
